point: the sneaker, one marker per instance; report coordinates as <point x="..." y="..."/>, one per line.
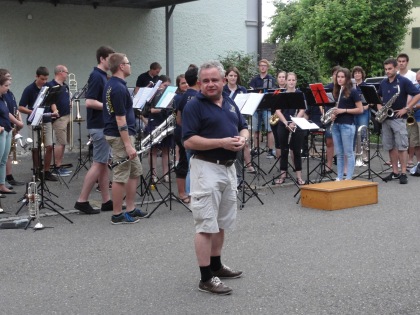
<point x="215" y="286"/>
<point x="226" y="273"/>
<point x="50" y="177"/>
<point x="391" y="177"/>
<point x="123" y="218"/>
<point x="107" y="206"/>
<point x="254" y="152"/>
<point x="98" y="189"/>
<point x="403" y="179"/>
<point x="60" y="172"/>
<point x="85" y="207"/>
<point x="65" y="170"/>
<point x="137" y="213"/>
<point x="14" y="182"/>
<point x="166" y="178"/>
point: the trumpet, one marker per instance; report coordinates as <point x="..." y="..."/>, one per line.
<point x="33" y="199"/>
<point x="18" y="137"/>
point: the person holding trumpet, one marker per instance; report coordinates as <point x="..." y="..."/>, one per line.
<point x="286" y="127"/>
<point x="348" y="104"/>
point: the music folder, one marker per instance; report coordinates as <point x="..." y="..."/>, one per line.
<point x="304" y="124"/>
<point x="321" y="96"/>
<point x="248" y="103"/>
<point x="370" y="94"/>
<point x="144" y="95"/>
<point x="167" y="97"/>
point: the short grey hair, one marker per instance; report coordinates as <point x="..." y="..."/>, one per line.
<point x="212" y="64"/>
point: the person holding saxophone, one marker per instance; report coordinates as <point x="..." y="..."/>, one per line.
<point x="284" y="128"/>
<point x="348" y="104"/>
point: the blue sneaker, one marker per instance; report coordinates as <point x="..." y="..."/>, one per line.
<point x="137" y="213"/>
<point x="123" y="218"/>
<point x="60" y="172"/>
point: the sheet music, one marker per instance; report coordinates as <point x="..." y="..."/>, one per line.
<point x="248" y="103"/>
<point x="330" y="97"/>
<point x="167" y="97"/>
<point x="39" y="99"/>
<point x="38" y="113"/>
<point x="304" y="124"/>
<point x="141" y="97"/>
<point x="155" y="88"/>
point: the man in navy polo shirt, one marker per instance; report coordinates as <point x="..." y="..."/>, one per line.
<point x="120" y="131"/>
<point x="26" y="103"/>
<point x="95" y="124"/>
<point x="213" y="127"/>
<point x="394" y="130"/>
<point x="62" y="108"/>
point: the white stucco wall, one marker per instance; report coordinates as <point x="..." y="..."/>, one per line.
<point x="414" y="54"/>
<point x="70" y="35"/>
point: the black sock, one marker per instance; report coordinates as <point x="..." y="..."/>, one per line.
<point x="206" y="273"/>
<point x="215" y="263"/>
<point x="9" y="177"/>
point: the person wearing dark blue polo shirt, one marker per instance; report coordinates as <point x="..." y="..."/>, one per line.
<point x="5" y="132"/>
<point x="62" y="108"/>
<point x="343" y="128"/>
<point x="394" y="129"/>
<point x="120" y="131"/>
<point x="263" y="81"/>
<point x="26" y="103"/>
<point x="95" y="123"/>
<point x="10" y="100"/>
<point x="213" y="127"/>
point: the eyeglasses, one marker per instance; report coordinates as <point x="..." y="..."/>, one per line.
<point x="66" y="72"/>
<point x="127" y="63"/>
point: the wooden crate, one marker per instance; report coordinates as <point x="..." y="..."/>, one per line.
<point x="339" y="195"/>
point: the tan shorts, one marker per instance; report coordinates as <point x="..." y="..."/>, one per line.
<point x="129" y="169"/>
<point x="46" y="135"/>
<point x="213" y="196"/>
<point x="414" y="135"/>
<point x="60" y="129"/>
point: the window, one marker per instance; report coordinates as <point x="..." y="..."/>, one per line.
<point x="415" y="37"/>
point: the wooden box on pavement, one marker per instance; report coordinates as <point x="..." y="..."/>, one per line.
<point x="339" y="195"/>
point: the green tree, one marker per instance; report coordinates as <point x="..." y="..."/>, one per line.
<point x="295" y="56"/>
<point x="344" y="32"/>
<point x="245" y="63"/>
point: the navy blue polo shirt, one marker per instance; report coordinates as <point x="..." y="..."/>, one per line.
<point x="144" y="79"/>
<point x="180" y="105"/>
<point x="63" y="100"/>
<point x="268" y="82"/>
<point x="239" y="90"/>
<point x="11" y="102"/>
<point x="96" y="82"/>
<point x="29" y="95"/>
<point x="348" y="103"/>
<point x="117" y="102"/>
<point x="201" y="117"/>
<point x="387" y="90"/>
<point x="4" y="115"/>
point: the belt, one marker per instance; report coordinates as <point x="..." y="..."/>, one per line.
<point x="215" y="161"/>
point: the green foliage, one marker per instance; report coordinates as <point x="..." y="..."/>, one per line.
<point x="295" y="56"/>
<point x="246" y="64"/>
<point x="346" y="33"/>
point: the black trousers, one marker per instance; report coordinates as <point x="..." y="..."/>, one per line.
<point x="296" y="144"/>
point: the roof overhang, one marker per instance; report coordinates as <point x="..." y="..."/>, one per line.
<point x="139" y="4"/>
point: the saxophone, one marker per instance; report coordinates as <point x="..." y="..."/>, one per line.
<point x="386" y="110"/>
<point x="327" y="117"/>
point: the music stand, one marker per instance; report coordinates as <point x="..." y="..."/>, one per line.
<point x="247" y="104"/>
<point x="320" y="98"/>
<point x="49" y="98"/>
<point x="371" y="97"/>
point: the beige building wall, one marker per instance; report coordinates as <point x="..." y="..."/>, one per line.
<point x="413" y="53"/>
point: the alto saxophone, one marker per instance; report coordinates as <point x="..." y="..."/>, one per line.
<point x="386" y="110"/>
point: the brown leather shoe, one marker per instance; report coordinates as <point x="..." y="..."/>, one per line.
<point x="226" y="273"/>
<point x="215" y="286"/>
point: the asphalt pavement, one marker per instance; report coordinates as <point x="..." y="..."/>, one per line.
<point x="296" y="260"/>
